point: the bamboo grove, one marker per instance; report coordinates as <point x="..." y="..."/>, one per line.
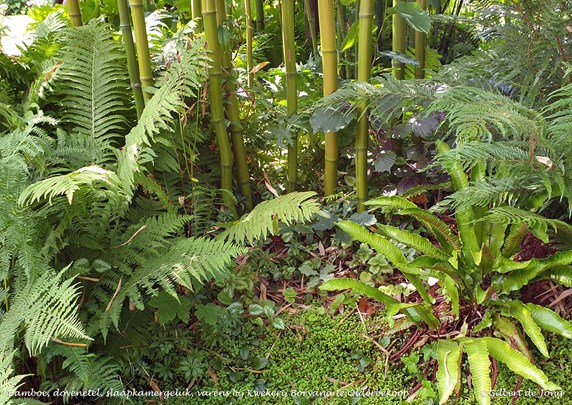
<point x="331" y="37"/>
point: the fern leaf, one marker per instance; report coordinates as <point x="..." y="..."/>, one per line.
<point x="518" y="363"/>
<point x="521" y="312"/>
<point x="448" y="373"/>
<point x="480" y="365"/>
<point x="8" y="384"/>
<point x="263" y="219"/>
<point x="93" y="81"/>
<point x="550" y="320"/>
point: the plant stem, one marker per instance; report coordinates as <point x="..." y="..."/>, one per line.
<point x="420" y="43"/>
<point x="364" y="74"/>
<point x="233" y="113"/>
<point x="311" y="26"/>
<point x="125" y="26"/>
<point x="398" y="42"/>
<point x="217" y="111"/>
<point x="330" y="73"/>
<point x="289" y="49"/>
<point x="197" y="13"/>
<point x="259" y="7"/>
<point x="249" y="37"/>
<point x="74" y="12"/>
<point x="143" y="56"/>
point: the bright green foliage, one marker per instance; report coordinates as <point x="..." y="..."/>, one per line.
<point x="92" y="82"/>
<point x="265" y="217"/>
<point x="462" y="270"/>
<point x="8" y="384"/>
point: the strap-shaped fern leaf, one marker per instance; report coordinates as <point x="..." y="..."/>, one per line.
<point x="480" y="365"/>
<point x="93" y="81"/>
<point x="550" y="320"/>
<point x="417" y="313"/>
<point x="264" y="218"/>
<point x="414" y="240"/>
<point x="518" y="278"/>
<point x="518" y="363"/>
<point x="521" y="312"/>
<point x="448" y="375"/>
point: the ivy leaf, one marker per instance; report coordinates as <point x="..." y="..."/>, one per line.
<point x="414" y="15"/>
<point x="168" y="308"/>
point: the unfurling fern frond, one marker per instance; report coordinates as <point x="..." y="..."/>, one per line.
<point x="47" y="308"/>
<point x="264" y="218"/>
<point x="93" y="82"/>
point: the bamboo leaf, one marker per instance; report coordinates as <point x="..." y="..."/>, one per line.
<point x="351" y="37"/>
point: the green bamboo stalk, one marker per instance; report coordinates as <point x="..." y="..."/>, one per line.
<point x="289" y="51"/>
<point x="233" y="113"/>
<point x="143" y="56"/>
<point x="420" y="43"/>
<point x="197" y="13"/>
<point x="398" y="42"/>
<point x="330" y="73"/>
<point x="364" y="74"/>
<point x="74" y="12"/>
<point x="249" y="37"/>
<point x="259" y="7"/>
<point x="311" y="26"/>
<point x="341" y="16"/>
<point x="125" y="26"/>
<point x="217" y="110"/>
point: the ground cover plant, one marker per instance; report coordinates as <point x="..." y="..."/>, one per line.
<point x="287" y="202"/>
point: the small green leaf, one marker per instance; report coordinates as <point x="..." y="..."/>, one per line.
<point x="384" y="161"/>
<point x="278" y="323"/>
<point x="255" y="309"/>
<point x="209" y="313"/>
<point x="168" y="308"/>
<point x="351" y="37"/>
<point x="289" y="294"/>
<point x="401" y="57"/>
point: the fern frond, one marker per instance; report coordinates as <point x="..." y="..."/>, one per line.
<point x="8" y="384"/>
<point x="263" y="219"/>
<point x="93" y="81"/>
<point x="92" y="177"/>
<point x="47" y="308"/>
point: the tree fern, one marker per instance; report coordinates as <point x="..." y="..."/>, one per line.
<point x="264" y="218"/>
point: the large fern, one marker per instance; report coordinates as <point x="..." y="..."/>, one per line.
<point x="93" y="83"/>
